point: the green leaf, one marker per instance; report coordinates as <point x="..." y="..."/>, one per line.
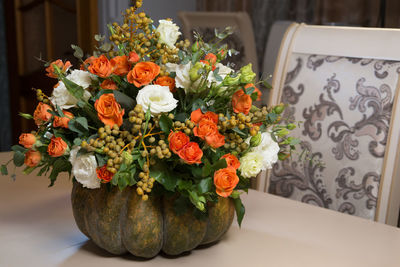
<point x="78" y="51"/>
<point x="240" y="210"/>
<point x="220" y="164"/>
<point x="165" y="124"/>
<point x="164" y="177"/>
<point x="19" y="148"/>
<point x="267" y="85"/>
<point x="74" y="89"/>
<point x="184" y="184"/>
<point x="60" y="165"/>
<point x="205" y="185"/>
<point x="28" y="170"/>
<point x="197" y="172"/>
<point x="250" y="90"/>
<point x="124" y="100"/>
<point x="4" y="170"/>
<point x="182" y="117"/>
<point x="197" y="201"/>
<point x="217" y="77"/>
<point x="207" y="168"/>
<point x="81" y="123"/>
<point x="198" y="103"/>
<point x="239" y="132"/>
<point x="101" y="161"/>
<point x="77" y="141"/>
<point x="254" y="96"/>
<point x="26" y="116"/>
<point x="181" y="205"/>
<point x="19" y="158"/>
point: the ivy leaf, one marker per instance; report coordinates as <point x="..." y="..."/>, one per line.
<point x="60" y="165"/>
<point x="124" y="100"/>
<point x="240" y="210"/>
<point x="220" y="164"/>
<point x="18" y="158"/>
<point x="165" y="124"/>
<point x="4" y="170"/>
<point x="205" y="185"/>
<point x="164" y="177"/>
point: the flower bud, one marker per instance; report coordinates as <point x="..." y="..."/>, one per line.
<point x="195" y="47"/>
<point x="230" y="80"/>
<point x="279" y="109"/>
<point x="255" y="140"/>
<point x="282" y="132"/>
<point x="247" y="74"/>
<point x="127" y="158"/>
<point x="194" y="71"/>
<point x="291" y="126"/>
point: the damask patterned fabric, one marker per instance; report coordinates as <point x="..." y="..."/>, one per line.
<point x="345" y="105"/>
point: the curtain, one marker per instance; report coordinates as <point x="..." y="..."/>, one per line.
<point x="5" y="128"/>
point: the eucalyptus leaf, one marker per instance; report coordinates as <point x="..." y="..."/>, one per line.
<point x="18" y="158"/>
<point x="240" y="210"/>
<point x="4" y="170"/>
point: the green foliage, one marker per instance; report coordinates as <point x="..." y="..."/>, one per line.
<point x="60" y="165"/>
<point x="19" y="158"/>
<point x="165" y="124"/>
<point x="4" y="170"/>
<point x="124" y="100"/>
<point x="26" y="115"/>
<point x="240" y="210"/>
<point x="79" y="125"/>
<point x="78" y="53"/>
<point x="124" y="177"/>
<point x="163" y="176"/>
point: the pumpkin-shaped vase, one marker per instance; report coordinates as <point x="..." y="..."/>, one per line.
<point x="120" y="221"/>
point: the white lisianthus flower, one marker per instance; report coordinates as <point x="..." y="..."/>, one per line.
<point x="251" y="164"/>
<point x="182" y="78"/>
<point x="223" y="71"/>
<point x="63" y="98"/>
<point x="169" y="33"/>
<point x="157" y="97"/>
<point x="268" y="148"/>
<point x="84" y="169"/>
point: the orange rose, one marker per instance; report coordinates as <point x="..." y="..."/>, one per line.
<point x="32" y="158"/>
<point x="177" y="140"/>
<point x="63" y="121"/>
<point x="231" y="161"/>
<point x="108" y="84"/>
<point x="101" y="67"/>
<point x="87" y="63"/>
<point x="256" y="90"/>
<point x="108" y="110"/>
<point x="215" y="140"/>
<point x="241" y="102"/>
<point x="191" y="153"/>
<point x="143" y="73"/>
<point x="210" y="57"/>
<point x="61" y="65"/>
<point x="166" y="81"/>
<point x="225" y="181"/>
<point x="27" y="140"/>
<point x="197" y="115"/>
<point x="205" y="128"/>
<point x="41" y="114"/>
<point x="104" y="175"/>
<point x="57" y="147"/>
<point x="133" y="57"/>
<point x="120" y="65"/>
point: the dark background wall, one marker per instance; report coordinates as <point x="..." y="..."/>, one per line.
<point x="5" y="123"/>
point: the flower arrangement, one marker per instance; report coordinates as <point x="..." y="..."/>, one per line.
<point x="160" y="115"/>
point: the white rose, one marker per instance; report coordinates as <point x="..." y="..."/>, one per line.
<point x="182" y="78"/>
<point x="84" y="169"/>
<point x="251" y="164"/>
<point x="169" y="33"/>
<point x="268" y="148"/>
<point x="63" y="98"/>
<point x="157" y="97"/>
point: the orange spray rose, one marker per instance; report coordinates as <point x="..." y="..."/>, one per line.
<point x="241" y="102"/>
<point x="108" y="110"/>
<point x="225" y="181"/>
<point x="143" y="73"/>
<point x="108" y="84"/>
<point x="177" y="140"/>
<point x="120" y="65"/>
<point x="133" y="57"/>
<point x="41" y="114"/>
<point x="27" y="140"/>
<point x="63" y="121"/>
<point x="215" y="140"/>
<point x="191" y="153"/>
<point x="32" y="158"/>
<point x="57" y="147"/>
<point x="101" y="67"/>
<point x="256" y="90"/>
<point x="205" y="128"/>
<point x="104" y="175"/>
<point x="166" y="81"/>
<point x="61" y="65"/>
<point x="87" y="63"/>
<point x="197" y="115"/>
<point x="231" y="161"/>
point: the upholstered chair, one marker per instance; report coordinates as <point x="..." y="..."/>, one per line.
<point x="342" y="84"/>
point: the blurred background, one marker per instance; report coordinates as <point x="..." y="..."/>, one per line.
<point x="33" y="31"/>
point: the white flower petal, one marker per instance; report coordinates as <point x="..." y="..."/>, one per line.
<point x="84" y="169"/>
<point x="158" y="98"/>
<point x="169" y="33"/>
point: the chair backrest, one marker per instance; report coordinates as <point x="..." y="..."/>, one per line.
<point x="343" y="84"/>
<point x="241" y="40"/>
